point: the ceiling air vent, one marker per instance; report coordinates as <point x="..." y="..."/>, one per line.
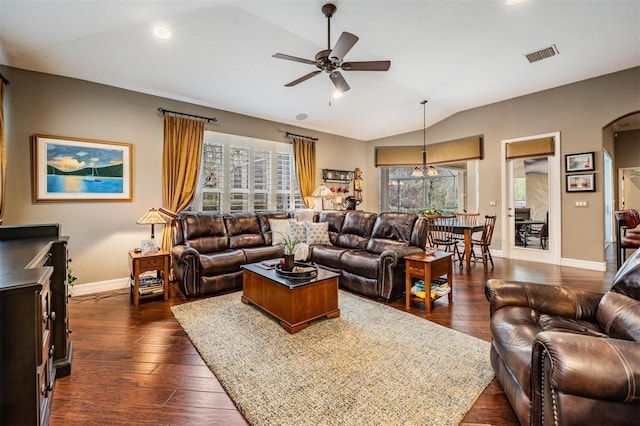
<point x="541" y="54"/>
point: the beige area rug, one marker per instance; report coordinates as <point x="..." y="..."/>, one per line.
<point x="374" y="365"/>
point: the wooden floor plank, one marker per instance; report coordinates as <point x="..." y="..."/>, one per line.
<point x="135" y="365"/>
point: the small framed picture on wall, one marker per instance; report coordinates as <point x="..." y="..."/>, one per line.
<point x="582" y="162"/>
<point x="581" y="182"/>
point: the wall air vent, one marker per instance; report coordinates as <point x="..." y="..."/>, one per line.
<point x="541" y="54"/>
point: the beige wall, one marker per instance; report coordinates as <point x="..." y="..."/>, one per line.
<point x="627" y="148"/>
<point x="579" y="111"/>
<point x="102" y="233"/>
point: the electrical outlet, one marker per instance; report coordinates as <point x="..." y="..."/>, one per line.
<point x="492" y="203"/>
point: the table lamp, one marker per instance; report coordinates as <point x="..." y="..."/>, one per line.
<point x="152" y="217"/>
<point x="322" y="192"/>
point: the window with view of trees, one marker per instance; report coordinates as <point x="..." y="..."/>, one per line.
<point x="404" y="193"/>
<point x="240" y="174"/>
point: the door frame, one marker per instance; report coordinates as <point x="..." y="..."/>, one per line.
<point x="554" y="253"/>
<point x="607" y="166"/>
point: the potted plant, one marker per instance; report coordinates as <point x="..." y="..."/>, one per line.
<point x="429" y="212"/>
<point x="289" y="242"/>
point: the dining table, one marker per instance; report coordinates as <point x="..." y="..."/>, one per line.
<point x="467" y="230"/>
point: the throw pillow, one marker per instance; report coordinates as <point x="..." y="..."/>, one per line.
<point x="279" y="228"/>
<point x="318" y="233"/>
<point x="298" y="231"/>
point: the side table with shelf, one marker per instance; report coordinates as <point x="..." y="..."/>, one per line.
<point x="140" y="263"/>
<point x="427" y="268"/>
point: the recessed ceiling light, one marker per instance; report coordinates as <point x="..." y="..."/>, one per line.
<point x="512" y="2"/>
<point x="302" y="116"/>
<point x="161" y="32"/>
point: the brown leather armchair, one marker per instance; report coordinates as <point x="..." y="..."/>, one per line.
<point x="566" y="356"/>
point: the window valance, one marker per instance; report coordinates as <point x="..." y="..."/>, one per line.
<point x="438" y="153"/>
<point x="530" y="148"/>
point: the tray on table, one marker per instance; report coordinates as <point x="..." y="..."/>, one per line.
<point x="301" y="271"/>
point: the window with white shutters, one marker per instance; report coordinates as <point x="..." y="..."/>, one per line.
<point x="240" y="174"/>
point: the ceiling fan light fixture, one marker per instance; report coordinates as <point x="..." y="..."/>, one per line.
<point x="417" y="172"/>
<point x="337" y="94"/>
<point x="331" y="59"/>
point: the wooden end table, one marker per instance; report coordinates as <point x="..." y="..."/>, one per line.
<point x="427" y="267"/>
<point x="141" y="262"/>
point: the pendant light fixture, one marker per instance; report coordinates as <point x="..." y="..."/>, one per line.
<point x="424" y="170"/>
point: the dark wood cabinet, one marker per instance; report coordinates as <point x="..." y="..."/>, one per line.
<point x="34" y="333"/>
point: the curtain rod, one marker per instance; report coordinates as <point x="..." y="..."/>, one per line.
<point x="166" y="111"/>
<point x="289" y="134"/>
<point x="4" y="79"/>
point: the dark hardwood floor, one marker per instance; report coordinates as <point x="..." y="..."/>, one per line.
<point x="136" y="365"/>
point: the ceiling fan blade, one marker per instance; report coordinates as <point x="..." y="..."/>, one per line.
<point x="338" y="80"/>
<point x="294" y="58"/>
<point x="343" y="46"/>
<point x="366" y="66"/>
<point x="303" y="78"/>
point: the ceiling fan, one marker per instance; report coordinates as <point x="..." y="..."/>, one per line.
<point x="331" y="60"/>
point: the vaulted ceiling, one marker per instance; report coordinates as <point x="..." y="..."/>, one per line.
<point x="456" y="54"/>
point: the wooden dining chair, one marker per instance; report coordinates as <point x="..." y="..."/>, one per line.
<point x="441" y="235"/>
<point x="464" y="218"/>
<point x="484" y="242"/>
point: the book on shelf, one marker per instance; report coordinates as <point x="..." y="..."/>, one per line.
<point x="145" y="291"/>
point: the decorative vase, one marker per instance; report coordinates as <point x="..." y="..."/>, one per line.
<point x="288" y="262"/>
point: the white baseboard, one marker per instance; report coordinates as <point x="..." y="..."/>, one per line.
<point x="99" y="287"/>
<point x="584" y="264"/>
<point x="574" y="263"/>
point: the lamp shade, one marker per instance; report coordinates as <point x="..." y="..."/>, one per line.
<point x="322" y="191"/>
<point x="152" y="217"/>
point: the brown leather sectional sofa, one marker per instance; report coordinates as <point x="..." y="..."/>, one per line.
<point x="368" y="249"/>
<point x="566" y="356"/>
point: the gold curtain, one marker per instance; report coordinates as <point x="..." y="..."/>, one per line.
<point x="304" y="153"/>
<point x="182" y="152"/>
<point x="3" y="154"/>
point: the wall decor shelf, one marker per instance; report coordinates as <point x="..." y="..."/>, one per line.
<point x="330" y="175"/>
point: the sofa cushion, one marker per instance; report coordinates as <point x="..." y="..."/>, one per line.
<point x="222" y="262"/>
<point x="205" y="232"/>
<point x="318" y="233"/>
<point x="627" y="279"/>
<point x="328" y="256"/>
<point x="619" y="316"/>
<point x="356" y="230"/>
<point x="243" y="230"/>
<point x="258" y="254"/>
<point x="391" y="230"/>
<point x="335" y="219"/>
<point x="264" y="220"/>
<point x="360" y="263"/>
<point x="278" y="228"/>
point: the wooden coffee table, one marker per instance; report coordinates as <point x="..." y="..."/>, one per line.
<point x="294" y="302"/>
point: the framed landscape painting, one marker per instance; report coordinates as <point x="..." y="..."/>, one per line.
<point x="73" y="169"/>
<point x="579" y="162"/>
<point x="581" y="183"/>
